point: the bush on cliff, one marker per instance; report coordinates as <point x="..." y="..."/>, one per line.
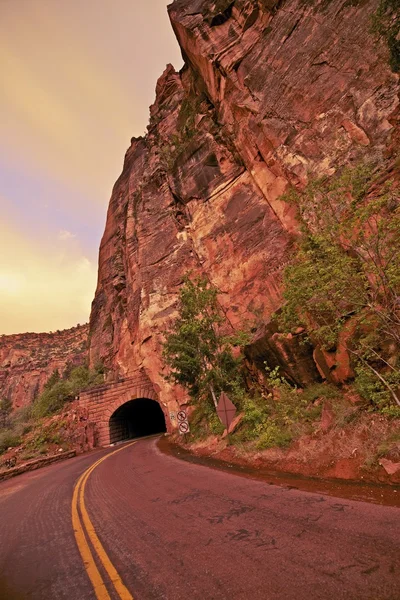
<point x="284" y="414"/>
<point x="386" y="23"/>
<point x="346" y="277"/>
<point x="58" y="391"/>
<point x="5" y="412"/>
<point x="8" y="439"/>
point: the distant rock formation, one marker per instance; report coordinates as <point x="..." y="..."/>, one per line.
<point x="28" y="359"/>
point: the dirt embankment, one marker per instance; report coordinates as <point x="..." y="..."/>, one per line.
<point x="365" y="451"/>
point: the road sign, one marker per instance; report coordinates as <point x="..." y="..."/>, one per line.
<point x="183" y="423"/>
<point x="182" y="416"/>
<point x="172" y="415"/>
<point x="184" y="427"/>
<point x="226" y="410"/>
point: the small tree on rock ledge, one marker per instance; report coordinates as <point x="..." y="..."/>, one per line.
<point x="200" y="358"/>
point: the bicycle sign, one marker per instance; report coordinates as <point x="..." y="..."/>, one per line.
<point x="183" y="423"/>
<point x="182" y="416"/>
<point x="184" y="427"/>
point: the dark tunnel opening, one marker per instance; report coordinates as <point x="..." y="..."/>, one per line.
<point x="135" y="419"/>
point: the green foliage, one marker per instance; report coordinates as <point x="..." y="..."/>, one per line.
<point x="5" y="412"/>
<point x="317" y="391"/>
<point x="52" y="400"/>
<point x="347" y="271"/>
<point x="273" y="436"/>
<point x="368" y="386"/>
<point x="186" y="131"/>
<point x="186" y="118"/>
<point x="263" y="423"/>
<point x="55" y="394"/>
<point x="200" y="358"/>
<point x="20" y="422"/>
<point x="52" y="380"/>
<point x="281" y="417"/>
<point x="8" y="439"/>
<point x="45" y="435"/>
<point x="386" y="23"/>
<point x="205" y="422"/>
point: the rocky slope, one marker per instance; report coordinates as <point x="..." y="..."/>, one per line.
<point x="272" y="94"/>
<point x="28" y="359"/>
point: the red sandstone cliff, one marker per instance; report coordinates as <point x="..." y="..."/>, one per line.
<point x="28" y="359"/>
<point x="272" y="92"/>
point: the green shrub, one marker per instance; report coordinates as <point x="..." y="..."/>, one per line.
<point x="371" y="388"/>
<point x="347" y="272"/>
<point x="204" y="421"/>
<point x="45" y="435"/>
<point x="8" y="439"/>
<point x="52" y="400"/>
<point x="74" y="380"/>
<point x="320" y="390"/>
<point x="386" y="23"/>
<point x="22" y="415"/>
<point x="276" y="420"/>
<point x="274" y="436"/>
<point x="5" y="412"/>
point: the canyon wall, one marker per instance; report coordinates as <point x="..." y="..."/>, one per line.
<point x="28" y="359"/>
<point x="272" y="93"/>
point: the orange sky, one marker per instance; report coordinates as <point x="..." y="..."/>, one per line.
<point x="76" y="81"/>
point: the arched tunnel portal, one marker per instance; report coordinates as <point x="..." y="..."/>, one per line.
<point x="136" y="418"/>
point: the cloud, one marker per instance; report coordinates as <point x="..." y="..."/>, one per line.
<point x="65" y="235"/>
<point x="41" y="287"/>
<point x="75" y="85"/>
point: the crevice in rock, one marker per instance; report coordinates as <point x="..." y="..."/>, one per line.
<point x="291" y="31"/>
<point x="251" y="19"/>
<point x="222" y="17"/>
<point x="179" y="211"/>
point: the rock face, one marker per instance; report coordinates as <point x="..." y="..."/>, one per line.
<point x="28" y="359"/>
<point x="272" y="93"/>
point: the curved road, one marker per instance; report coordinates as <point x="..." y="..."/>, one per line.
<point x="150" y="527"/>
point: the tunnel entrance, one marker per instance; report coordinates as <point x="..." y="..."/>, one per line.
<point x="136" y="418"/>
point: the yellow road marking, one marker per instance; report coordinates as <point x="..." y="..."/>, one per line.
<point x="93" y="573"/>
<point x="84" y="549"/>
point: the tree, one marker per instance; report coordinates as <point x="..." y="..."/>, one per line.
<point x="52" y="380"/>
<point x="5" y="412"/>
<point x="347" y="269"/>
<point x="58" y="391"/>
<point x="199" y="356"/>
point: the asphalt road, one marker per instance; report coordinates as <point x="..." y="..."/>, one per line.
<point x="148" y="526"/>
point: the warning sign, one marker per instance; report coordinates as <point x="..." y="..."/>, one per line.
<point x="226" y="410"/>
<point x="184" y="427"/>
<point x="183" y="423"/>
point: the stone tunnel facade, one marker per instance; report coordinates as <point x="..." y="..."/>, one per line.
<point x="102" y="402"/>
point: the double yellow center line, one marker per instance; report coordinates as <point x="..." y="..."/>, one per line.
<point x="84" y="531"/>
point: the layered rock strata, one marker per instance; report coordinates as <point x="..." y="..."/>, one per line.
<point x="272" y="93"/>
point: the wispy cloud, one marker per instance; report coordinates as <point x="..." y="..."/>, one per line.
<point x="64" y="235"/>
